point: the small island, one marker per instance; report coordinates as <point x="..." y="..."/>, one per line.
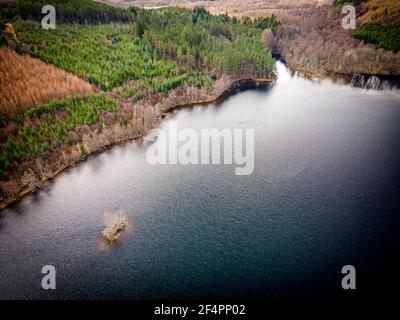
<point x="115" y="227"/>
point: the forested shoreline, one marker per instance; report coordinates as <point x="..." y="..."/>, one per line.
<point x="141" y="63"/>
<point x="315" y="43"/>
<point x="310" y="37"/>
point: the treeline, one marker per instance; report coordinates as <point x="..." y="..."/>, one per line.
<point x="106" y="54"/>
<point x="200" y="41"/>
<point x="262" y="23"/>
<point x="383" y="36"/>
<point x="8" y="11"/>
<point x="73" y="11"/>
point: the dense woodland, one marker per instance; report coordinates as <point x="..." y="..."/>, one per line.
<point x="311" y="38"/>
<point x="105" y="54"/>
<point x="216" y="43"/>
<point x="74" y="11"/>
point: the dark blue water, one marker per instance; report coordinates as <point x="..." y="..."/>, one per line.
<point x="322" y="195"/>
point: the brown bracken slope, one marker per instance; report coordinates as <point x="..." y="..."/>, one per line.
<point x="27" y="82"/>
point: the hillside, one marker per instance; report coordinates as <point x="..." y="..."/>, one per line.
<point x="140" y="63"/>
<point x="311" y="38"/>
<point x="316" y="43"/>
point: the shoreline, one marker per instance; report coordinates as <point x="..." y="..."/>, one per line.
<point x="334" y="75"/>
<point x="7" y="201"/>
<point x="359" y="80"/>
